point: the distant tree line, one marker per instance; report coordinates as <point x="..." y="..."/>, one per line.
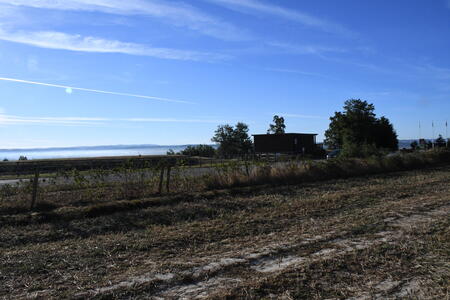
<point x="356" y="131"/>
<point x="440" y="142"/>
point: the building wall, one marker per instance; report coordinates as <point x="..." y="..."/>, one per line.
<point x="284" y="143"/>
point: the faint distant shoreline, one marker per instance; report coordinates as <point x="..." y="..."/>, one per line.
<point x="101" y="147"/>
<point x="88" y="151"/>
<point x="104" y="151"/>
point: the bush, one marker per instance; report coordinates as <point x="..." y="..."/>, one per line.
<point x="171" y="152"/>
<point x="319" y="152"/>
<point x="23" y="157"/>
<point x="330" y="169"/>
<point x="365" y="150"/>
<point x="199" y="150"/>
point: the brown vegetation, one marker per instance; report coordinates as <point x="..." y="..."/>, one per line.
<point x="380" y="236"/>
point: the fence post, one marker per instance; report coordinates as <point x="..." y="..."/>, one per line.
<point x="168" y="179"/>
<point x="246" y="169"/>
<point x="35" y="189"/>
<point x="161" y="178"/>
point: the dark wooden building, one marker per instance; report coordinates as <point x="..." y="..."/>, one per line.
<point x="288" y="143"/>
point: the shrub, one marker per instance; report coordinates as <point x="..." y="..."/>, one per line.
<point x="199" y="150"/>
<point x="171" y="152"/>
<point x="329" y="169"/>
<point x="365" y="150"/>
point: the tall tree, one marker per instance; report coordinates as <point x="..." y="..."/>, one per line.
<point x="233" y="141"/>
<point x="278" y="127"/>
<point x="358" y="125"/>
<point x="385" y="135"/>
<point x="440" y="141"/>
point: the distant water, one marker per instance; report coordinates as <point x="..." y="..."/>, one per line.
<point x="405" y="144"/>
<point x="96" y="151"/>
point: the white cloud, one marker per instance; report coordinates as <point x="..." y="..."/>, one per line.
<point x="301" y="116"/>
<point x="254" y="6"/>
<point x="72" y="88"/>
<point x="6" y="11"/>
<point x="177" y="14"/>
<point x="430" y="70"/>
<point x="9" y="120"/>
<point x="17" y="120"/>
<point x="299" y="72"/>
<point x="305" y="49"/>
<point x="64" y="41"/>
<point x="170" y="120"/>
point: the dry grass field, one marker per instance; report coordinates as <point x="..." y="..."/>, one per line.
<point x="369" y="237"/>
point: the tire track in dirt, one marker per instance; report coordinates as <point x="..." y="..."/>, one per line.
<point x="206" y="280"/>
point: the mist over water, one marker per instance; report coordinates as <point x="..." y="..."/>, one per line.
<point x="97" y="151"/>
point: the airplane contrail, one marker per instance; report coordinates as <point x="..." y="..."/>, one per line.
<point x="92" y="90"/>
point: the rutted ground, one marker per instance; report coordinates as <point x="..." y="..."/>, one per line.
<point x="363" y="238"/>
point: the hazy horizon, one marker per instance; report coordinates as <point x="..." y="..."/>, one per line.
<point x="103" y="150"/>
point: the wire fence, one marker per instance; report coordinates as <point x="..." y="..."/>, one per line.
<point x="46" y="185"/>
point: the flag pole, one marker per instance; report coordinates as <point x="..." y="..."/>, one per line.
<point x="446" y="134"/>
<point x="420" y="131"/>
<point x="432" y="139"/>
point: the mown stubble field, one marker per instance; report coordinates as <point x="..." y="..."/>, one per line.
<point x="383" y="236"/>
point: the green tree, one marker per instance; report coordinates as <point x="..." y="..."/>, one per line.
<point x="199" y="150"/>
<point x="358" y="125"/>
<point x="440" y="142"/>
<point x="278" y="127"/>
<point x="385" y="135"/>
<point x="233" y="141"/>
<point x="171" y="152"/>
<point x="414" y="145"/>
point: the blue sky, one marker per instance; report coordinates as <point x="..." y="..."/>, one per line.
<point x="105" y="72"/>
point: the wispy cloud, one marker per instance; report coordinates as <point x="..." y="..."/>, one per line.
<point x="18" y="120"/>
<point x="439" y="73"/>
<point x="253" y="6"/>
<point x="331" y="54"/>
<point x="175" y="13"/>
<point x="299" y="116"/>
<point x="306" y="49"/>
<point x="299" y="72"/>
<point x="64" y="41"/>
<point x="73" y="88"/>
<point x="9" y="120"/>
<point x="170" y="120"/>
